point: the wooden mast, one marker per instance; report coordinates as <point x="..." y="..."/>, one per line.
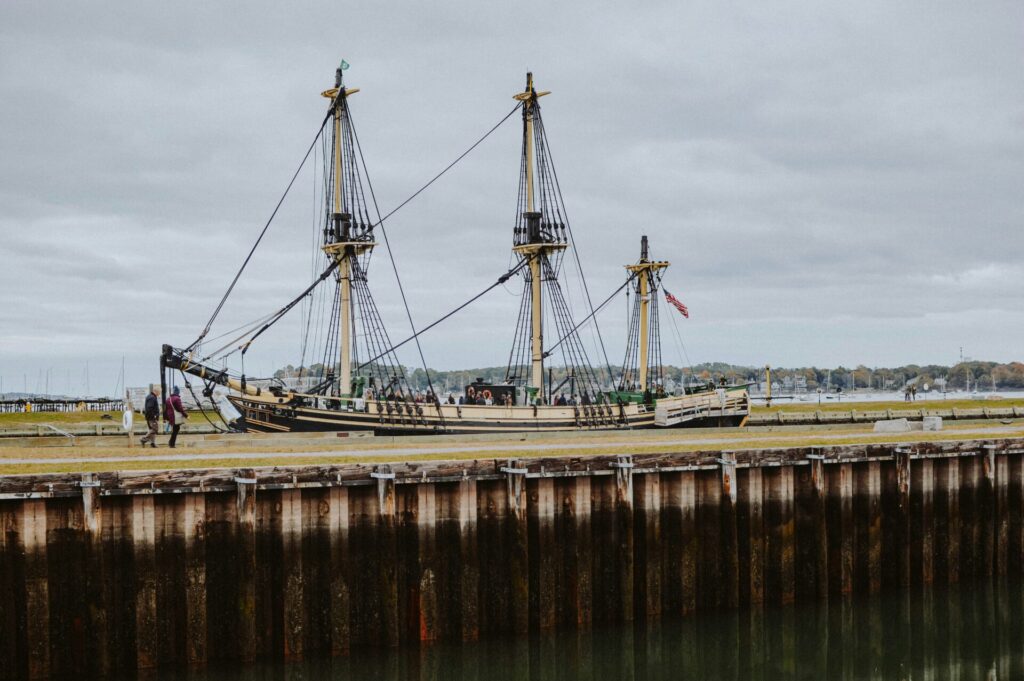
<point x="339" y="245"/>
<point x="645" y="271"/>
<point x="535" y="249"/>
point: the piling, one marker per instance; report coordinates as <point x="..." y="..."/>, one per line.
<point x="122" y="573"/>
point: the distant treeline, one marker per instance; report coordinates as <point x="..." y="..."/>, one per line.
<point x="982" y="375"/>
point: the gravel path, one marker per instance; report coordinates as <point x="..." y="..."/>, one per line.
<point x="484" y="448"/>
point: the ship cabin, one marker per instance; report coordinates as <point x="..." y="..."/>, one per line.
<point x="500" y="394"/>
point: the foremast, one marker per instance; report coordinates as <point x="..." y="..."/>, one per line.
<point x="531" y="240"/>
<point x="644" y="343"/>
<point x="340" y="242"/>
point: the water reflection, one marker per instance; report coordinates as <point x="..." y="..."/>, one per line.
<point x="969" y="633"/>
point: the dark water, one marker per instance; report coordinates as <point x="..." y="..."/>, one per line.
<point x="969" y="633"/>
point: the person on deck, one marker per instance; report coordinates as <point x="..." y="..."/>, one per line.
<point x="174" y="414"/>
<point x="152" y="413"/>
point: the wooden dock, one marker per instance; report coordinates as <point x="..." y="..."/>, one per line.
<point x="109" y="573"/>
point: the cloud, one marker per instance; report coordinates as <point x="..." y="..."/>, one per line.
<point x="832" y="182"/>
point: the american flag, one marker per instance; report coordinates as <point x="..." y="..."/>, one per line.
<point x="673" y="301"/>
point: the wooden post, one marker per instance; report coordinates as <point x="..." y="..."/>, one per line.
<point x="689" y="569"/>
<point x="970" y="486"/>
<point x="728" y="543"/>
<point x="948" y="506"/>
<point x="94" y="575"/>
<point x="584" y="554"/>
<point x="470" y="571"/>
<point x="839" y="519"/>
<point x="518" y="551"/>
<point x="780" y="577"/>
<point x="426" y="512"/>
<point x="788" y="519"/>
<point x="1015" y="513"/>
<point x="294" y="606"/>
<point x="245" y="507"/>
<point x="387" y="555"/>
<point x="563" y="532"/>
<point x="624" y="523"/>
<point x="316" y="577"/>
<point x="543" y="594"/>
<point x="339" y="567"/>
<point x="143" y="543"/>
<point x="985" y="513"/>
<point x="922" y="526"/>
<point x="896" y="525"/>
<point x="1002" y="510"/>
<point x="10" y="591"/>
<point x="867" y="511"/>
<point x="751" y="500"/>
<point x="812" y="550"/>
<point x="37" y="590"/>
<point x="90" y="505"/>
<point x="195" y="581"/>
<point x="647" y="535"/>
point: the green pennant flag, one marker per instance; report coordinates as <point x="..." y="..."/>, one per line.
<point x="344" y="65"/>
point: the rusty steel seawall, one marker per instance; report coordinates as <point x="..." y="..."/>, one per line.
<point x="114" y="572"/>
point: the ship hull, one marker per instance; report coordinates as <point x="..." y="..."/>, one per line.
<point x="270" y="415"/>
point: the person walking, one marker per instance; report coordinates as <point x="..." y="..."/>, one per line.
<point x="151" y="411"/>
<point x="174" y="414"/>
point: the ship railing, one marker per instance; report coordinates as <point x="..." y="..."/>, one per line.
<point x="689" y="408"/>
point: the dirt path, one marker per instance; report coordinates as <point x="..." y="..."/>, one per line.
<point x="392" y="453"/>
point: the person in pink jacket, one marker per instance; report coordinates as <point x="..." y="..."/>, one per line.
<point x="174" y="414"/>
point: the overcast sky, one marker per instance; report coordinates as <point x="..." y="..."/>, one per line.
<point x="833" y="182"/>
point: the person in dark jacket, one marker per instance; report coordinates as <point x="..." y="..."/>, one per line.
<point x="152" y="413"/>
<point x="174" y="414"/>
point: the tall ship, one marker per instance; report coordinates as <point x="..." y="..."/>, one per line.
<point x="550" y="383"/>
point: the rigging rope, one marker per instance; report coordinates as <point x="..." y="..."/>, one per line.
<point x="284" y="310"/>
<point x="200" y="405"/>
<point x="394" y="267"/>
<point x="501" y="280"/>
<point x="576" y="256"/>
<point x="438" y="176"/>
<point x="305" y="158"/>
<point x="591" y="315"/>
<point x="263" y="233"/>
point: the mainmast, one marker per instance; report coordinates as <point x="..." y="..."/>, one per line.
<point x="339" y="241"/>
<point x="646" y="273"/>
<point x="533" y="240"/>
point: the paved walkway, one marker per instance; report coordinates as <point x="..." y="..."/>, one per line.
<point x="398" y="452"/>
